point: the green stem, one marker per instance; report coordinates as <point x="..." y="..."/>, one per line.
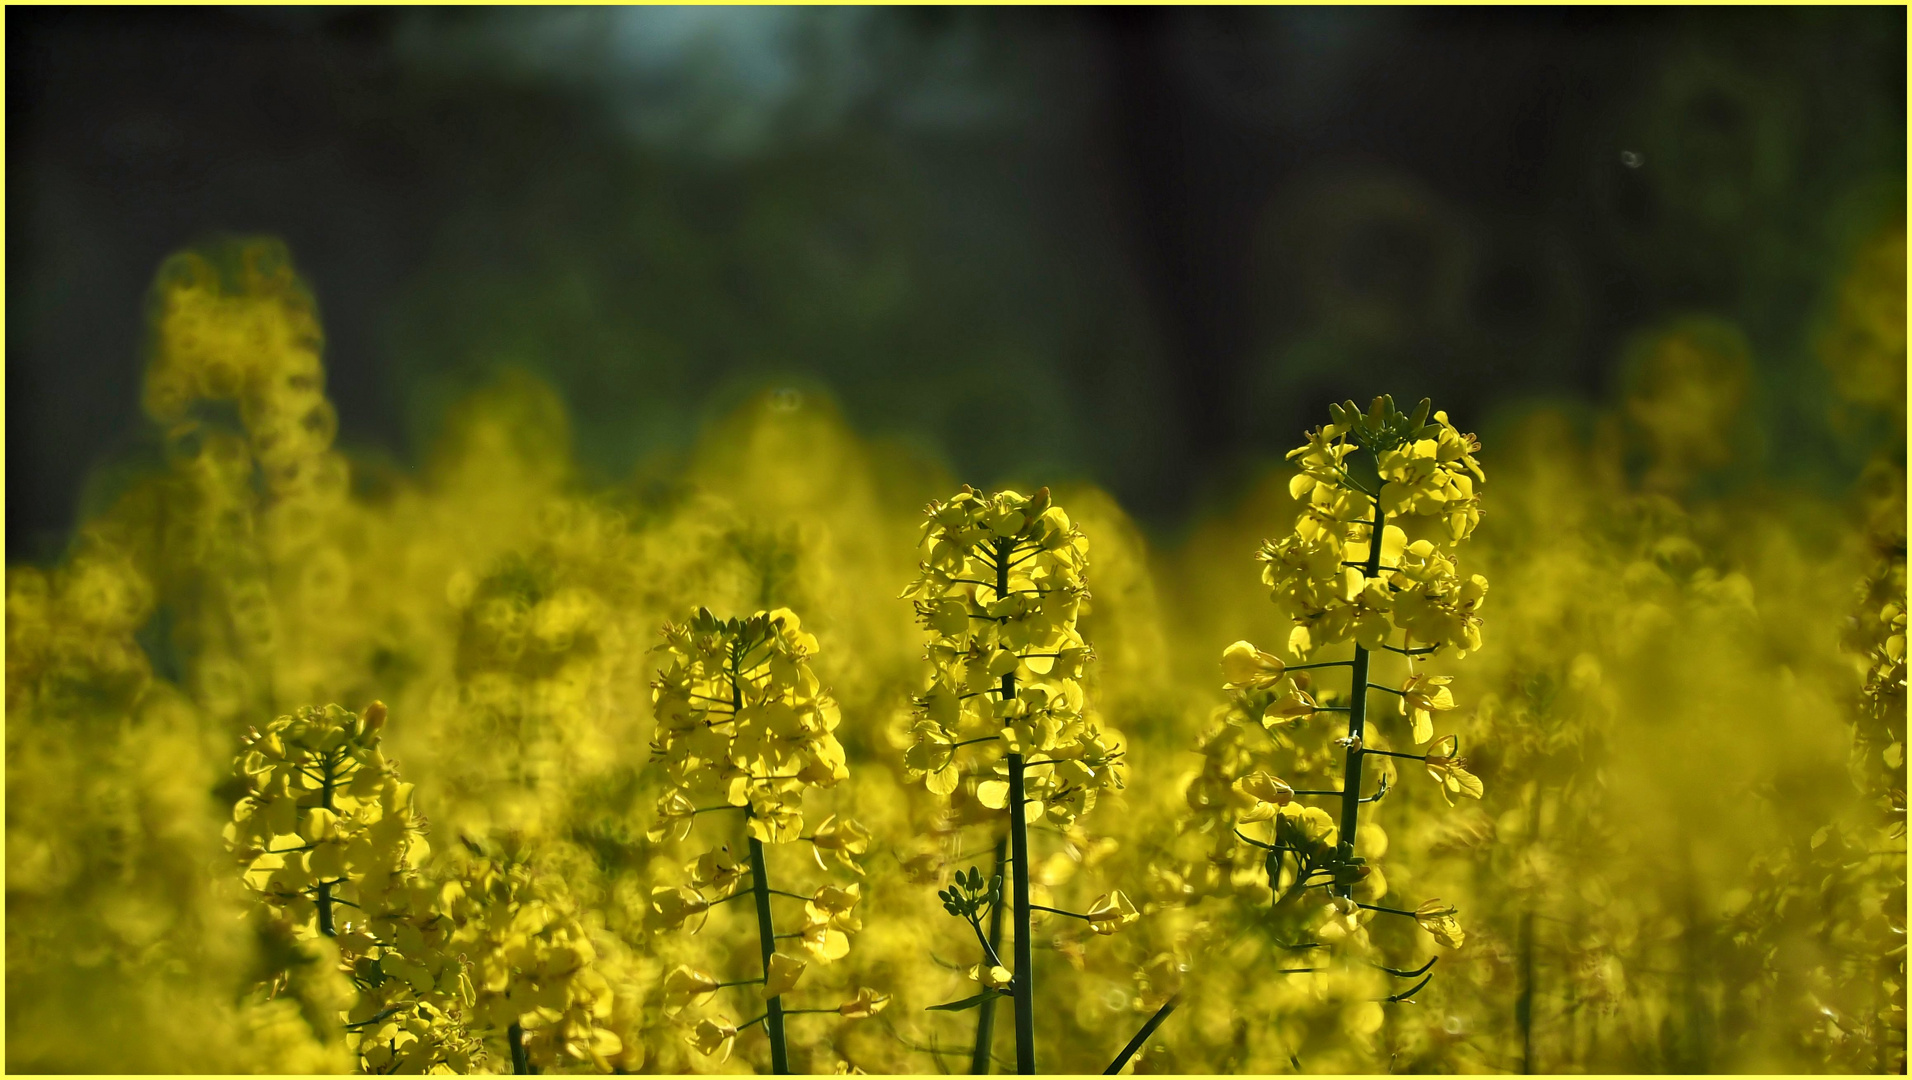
<point x="1025" y="976"/>
<point x="760" y="885"/>
<point x="767" y="941"/>
<point x="330" y="780"/>
<point x="1358" y="715"/>
<point x="1142" y="1036"/>
<point x="1025" y="967"/>
<point x="1524" y="1004"/>
<point x="979" y="1058"/>
<point x="520" y="1058"/>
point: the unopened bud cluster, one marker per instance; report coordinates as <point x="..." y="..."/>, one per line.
<point x="1419" y="475"/>
<point x="742" y="721"/>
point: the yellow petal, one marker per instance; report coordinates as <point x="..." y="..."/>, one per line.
<point x="783" y="975"/>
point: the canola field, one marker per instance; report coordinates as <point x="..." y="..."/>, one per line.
<point x="800" y="755"/>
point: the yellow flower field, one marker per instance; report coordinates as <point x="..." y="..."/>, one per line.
<point x="806" y="756"/>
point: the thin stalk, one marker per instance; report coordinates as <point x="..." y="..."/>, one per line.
<point x="1524" y="1004"/>
<point x="979" y="1058"/>
<point x="1142" y="1036"/>
<point x="327" y="767"/>
<point x="1358" y="715"/>
<point x="760" y="885"/>
<point x="1025" y="976"/>
<point x="1025" y="964"/>
<point x="767" y="941"/>
<point x="520" y="1058"/>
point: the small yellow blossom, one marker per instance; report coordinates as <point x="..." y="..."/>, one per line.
<point x="1421" y="697"/>
<point x="1450" y="769"/>
<point x="686" y="985"/>
<point x="711" y="1035"/>
<point x="674" y="906"/>
<point x="1248" y="668"/>
<point x="866" y="1004"/>
<point x="1111" y="913"/>
<point x="1437" y="918"/>
<point x="1267" y="795"/>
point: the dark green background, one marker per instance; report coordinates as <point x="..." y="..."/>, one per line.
<point x="1139" y="246"/>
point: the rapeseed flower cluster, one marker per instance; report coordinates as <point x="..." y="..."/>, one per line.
<point x="744" y="724"/>
<point x="331" y="841"/>
<point x="1001" y="588"/>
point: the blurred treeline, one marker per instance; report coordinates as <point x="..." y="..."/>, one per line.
<point x="1140" y="247"/>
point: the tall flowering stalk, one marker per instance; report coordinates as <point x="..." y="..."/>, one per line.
<point x="1001" y="586"/>
<point x="331" y="841"/>
<point x="743" y="724"/>
<point x="1389" y="500"/>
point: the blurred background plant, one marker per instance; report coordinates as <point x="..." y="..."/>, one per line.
<point x="601" y="315"/>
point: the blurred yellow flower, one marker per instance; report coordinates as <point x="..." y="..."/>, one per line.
<point x="674" y="906"/>
<point x="1248" y="668"/>
<point x="711" y="1035"/>
<point x="1266" y="795"/>
<point x="1111" y="913"/>
<point x="1437" y="918"/>
<point x="1452" y="773"/>
<point x="866" y="1004"/>
<point x="686" y="985"/>
<point x="1421" y="697"/>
